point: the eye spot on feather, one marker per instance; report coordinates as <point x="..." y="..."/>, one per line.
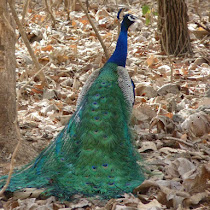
<point x="95" y="104"/>
<point x="97" y="96"/>
<point x="96" y="187"/>
<point x="96" y="131"/>
<point x="105" y="113"/>
<point x="94" y="168"/>
<point x="93" y="110"/>
<point x="96" y="118"/>
<point x="112" y="183"/>
<point x="105" y="165"/>
<point x="62" y="159"/>
<point x="105" y="136"/>
<point x="111" y="177"/>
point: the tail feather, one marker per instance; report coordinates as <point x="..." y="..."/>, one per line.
<point x="93" y="154"/>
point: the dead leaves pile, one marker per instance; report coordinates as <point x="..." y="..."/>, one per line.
<point x="171" y="121"/>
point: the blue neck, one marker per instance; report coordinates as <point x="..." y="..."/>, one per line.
<point x="120" y="54"/>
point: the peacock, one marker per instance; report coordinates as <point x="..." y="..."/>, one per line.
<point x="93" y="155"/>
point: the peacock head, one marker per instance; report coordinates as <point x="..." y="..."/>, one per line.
<point x="128" y="20"/>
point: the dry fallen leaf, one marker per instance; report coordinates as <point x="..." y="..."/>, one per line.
<point x="198" y="181"/>
<point x="180" y="167"/>
<point x="28" y="193"/>
<point x="145" y="90"/>
<point x="153" y="205"/>
<point x="196" y="124"/>
<point x="147" y="145"/>
<point x="163" y="123"/>
<point x="151" y="60"/>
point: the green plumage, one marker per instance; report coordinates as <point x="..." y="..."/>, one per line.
<point x="93" y="154"/>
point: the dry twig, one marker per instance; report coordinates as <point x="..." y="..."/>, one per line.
<point x="24" y="10"/>
<point x="95" y="29"/>
<point x="50" y="13"/>
<point x="25" y="39"/>
<point x="7" y="24"/>
<point x="179" y="140"/>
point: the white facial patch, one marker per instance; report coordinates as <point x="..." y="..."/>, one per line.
<point x="131" y="18"/>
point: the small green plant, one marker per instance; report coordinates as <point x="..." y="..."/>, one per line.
<point x="148" y="13"/>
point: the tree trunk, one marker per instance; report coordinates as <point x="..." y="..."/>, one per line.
<point x="7" y="83"/>
<point x="172" y="24"/>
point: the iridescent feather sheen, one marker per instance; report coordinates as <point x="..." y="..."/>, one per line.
<point x="93" y="154"/>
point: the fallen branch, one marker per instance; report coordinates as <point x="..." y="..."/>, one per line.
<point x="202" y="26"/>
<point x="179" y="140"/>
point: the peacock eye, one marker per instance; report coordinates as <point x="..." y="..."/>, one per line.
<point x="105" y="165"/>
<point x="94" y="167"/>
<point x="96" y="118"/>
<point x="131" y="18"/>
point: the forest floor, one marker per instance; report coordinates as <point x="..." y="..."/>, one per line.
<point x="171" y="121"/>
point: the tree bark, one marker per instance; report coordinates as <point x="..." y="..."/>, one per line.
<point x="7" y="82"/>
<point x="172" y="24"/>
